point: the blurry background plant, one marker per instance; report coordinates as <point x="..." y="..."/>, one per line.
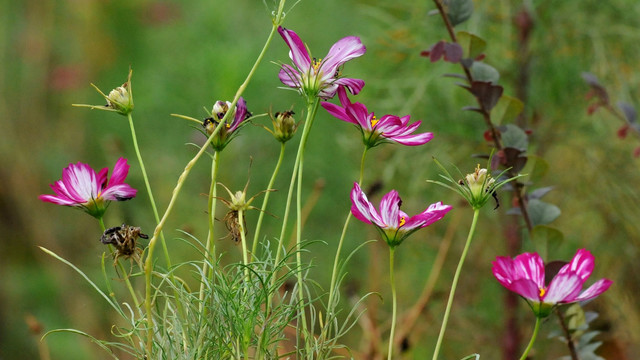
<point x="182" y="58"/>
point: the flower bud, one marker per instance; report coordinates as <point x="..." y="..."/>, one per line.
<point x="479" y="182"/>
<point x="284" y="126"/>
<point x="120" y="99"/>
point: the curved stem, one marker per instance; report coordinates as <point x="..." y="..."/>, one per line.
<point x="181" y="180"/>
<point x="456" y="277"/>
<point x="395" y="303"/>
<point x="265" y="201"/>
<point x="533" y="339"/>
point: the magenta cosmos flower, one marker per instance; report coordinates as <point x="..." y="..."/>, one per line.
<point x="82" y="187"/>
<point x="389" y="128"/>
<point x="319" y="77"/>
<point x="393" y="223"/>
<point x="525" y="275"/>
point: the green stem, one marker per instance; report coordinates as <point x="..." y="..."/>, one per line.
<point x="533" y="339"/>
<point x="265" y="201"/>
<point x="148" y="267"/>
<point x="124" y="274"/>
<point x="210" y="246"/>
<point x="243" y="239"/>
<point x="452" y="292"/>
<point x="154" y="208"/>
<point x="148" y="186"/>
<point x="395" y="303"/>
<point x="336" y="260"/>
<point x="301" y="305"/>
<point x="311" y="111"/>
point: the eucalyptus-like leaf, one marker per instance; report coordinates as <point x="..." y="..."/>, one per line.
<point x="506" y="109"/>
<point x="514" y="137"/>
<point x="483" y="72"/>
<point x="472" y="44"/>
<point x="458" y="11"/>
<point x="542" y="213"/>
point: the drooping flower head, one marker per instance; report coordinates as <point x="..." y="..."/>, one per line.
<point x="389" y="128"/>
<point x="394" y="224"/>
<point x="525" y="275"/>
<point x="228" y="131"/>
<point x="82" y="187"/>
<point x="315" y="77"/>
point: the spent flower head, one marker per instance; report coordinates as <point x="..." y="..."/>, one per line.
<point x="525" y="275"/>
<point x="82" y="187"/>
<point x="393" y="224"/>
<point x="388" y="128"/>
<point x="238" y="202"/>
<point x="315" y="77"/>
<point x="477" y="187"/>
<point x="228" y="131"/>
<point x="119" y="99"/>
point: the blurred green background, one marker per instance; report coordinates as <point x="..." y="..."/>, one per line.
<point x="186" y="55"/>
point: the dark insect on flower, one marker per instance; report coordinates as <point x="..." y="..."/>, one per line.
<point x="123" y="238"/>
<point x="287" y="113"/>
<point x="232" y="223"/>
<point x="210" y="124"/>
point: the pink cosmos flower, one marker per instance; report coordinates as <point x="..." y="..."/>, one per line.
<point x="393" y="223"/>
<point x="389" y="128"/>
<point x="82" y="187"/>
<point x="525" y="275"/>
<point x="319" y="77"/>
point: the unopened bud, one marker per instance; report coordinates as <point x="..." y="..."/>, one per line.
<point x="120" y="99"/>
<point x="284" y="126"/>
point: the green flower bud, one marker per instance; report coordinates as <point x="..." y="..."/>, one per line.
<point x="284" y="125"/>
<point x="120" y="99"/>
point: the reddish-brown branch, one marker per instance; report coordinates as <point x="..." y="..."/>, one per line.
<point x="567" y="335"/>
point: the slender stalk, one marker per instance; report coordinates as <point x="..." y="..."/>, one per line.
<point x="265" y="201"/>
<point x="211" y="246"/>
<point x="124" y="273"/>
<point x="312" y="107"/>
<point x="243" y="239"/>
<point x="181" y="180"/>
<point x="301" y="307"/>
<point x="395" y="303"/>
<point x="336" y="260"/>
<point x="311" y="110"/>
<point x="149" y="192"/>
<point x="456" y="277"/>
<point x="153" y="207"/>
<point x="533" y="339"/>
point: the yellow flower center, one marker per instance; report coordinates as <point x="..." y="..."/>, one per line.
<point x="402" y="221"/>
<point x="542" y="292"/>
<point x="316" y="64"/>
<point x="374" y="121"/>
